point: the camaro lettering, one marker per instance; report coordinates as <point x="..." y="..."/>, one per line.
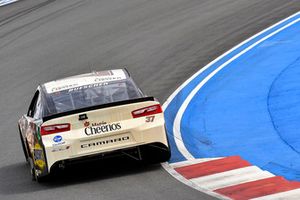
<point x="102" y="129"/>
<point x="103" y="142"/>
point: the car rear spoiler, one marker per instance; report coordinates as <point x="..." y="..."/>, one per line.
<point x="118" y="103"/>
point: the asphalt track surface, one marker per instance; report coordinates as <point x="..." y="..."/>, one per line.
<point x="162" y="43"/>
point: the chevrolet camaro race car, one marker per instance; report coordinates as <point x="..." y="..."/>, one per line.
<point x="91" y="116"/>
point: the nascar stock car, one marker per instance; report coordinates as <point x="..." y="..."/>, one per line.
<point x="90" y="116"/>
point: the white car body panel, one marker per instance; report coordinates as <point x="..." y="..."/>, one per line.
<point x="133" y="132"/>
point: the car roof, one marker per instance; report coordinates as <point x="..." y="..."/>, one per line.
<point x="95" y="77"/>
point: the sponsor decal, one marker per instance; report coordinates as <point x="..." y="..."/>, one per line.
<point x="87" y="86"/>
<point x="102" y="128"/>
<point x="103" y="79"/>
<point x="64" y="87"/>
<point x="57" y="139"/>
<point x="99" y="123"/>
<point x="82" y="117"/>
<point x="38" y="156"/>
<point x="57" y="149"/>
<point x="40" y="163"/>
<point x="58" y="142"/>
<point x="104" y="142"/>
<point x="86" y="123"/>
<point x="104" y="73"/>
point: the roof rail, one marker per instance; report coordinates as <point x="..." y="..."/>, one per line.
<point x="126" y="70"/>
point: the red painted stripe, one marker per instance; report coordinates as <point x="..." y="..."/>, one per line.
<point x="212" y="167"/>
<point x="259" y="188"/>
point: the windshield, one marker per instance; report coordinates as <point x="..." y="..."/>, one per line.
<point x="91" y="95"/>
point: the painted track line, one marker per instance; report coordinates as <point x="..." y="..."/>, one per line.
<point x="6" y="2"/>
<point x="180" y="178"/>
<point x="232" y="177"/>
<point x="191" y="162"/>
<point x="212" y="167"/>
<point x="291" y="195"/>
<point x="242" y="181"/>
<point x="258" y="188"/>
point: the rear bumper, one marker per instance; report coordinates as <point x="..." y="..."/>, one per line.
<point x="153" y="152"/>
<point x="148" y="139"/>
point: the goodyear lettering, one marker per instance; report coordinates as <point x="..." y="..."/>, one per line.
<point x="102" y="129"/>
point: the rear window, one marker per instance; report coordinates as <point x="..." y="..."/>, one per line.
<point x="91" y="95"/>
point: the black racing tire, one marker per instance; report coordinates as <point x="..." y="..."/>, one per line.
<point x="39" y="179"/>
<point x="155" y="153"/>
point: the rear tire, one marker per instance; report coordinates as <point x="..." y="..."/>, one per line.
<point x="155" y="153"/>
<point x="35" y="177"/>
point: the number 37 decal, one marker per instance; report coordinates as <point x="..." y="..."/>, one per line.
<point x="150" y="119"/>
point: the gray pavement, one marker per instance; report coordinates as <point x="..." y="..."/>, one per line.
<point x="162" y="43"/>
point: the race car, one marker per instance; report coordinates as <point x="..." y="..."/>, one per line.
<point x="91" y="116"/>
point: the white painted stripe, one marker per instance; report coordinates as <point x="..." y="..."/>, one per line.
<point x="177" y="122"/>
<point x="232" y="177"/>
<point x="192" y="162"/>
<point x="180" y="145"/>
<point x="172" y="96"/>
<point x="6" y="2"/>
<point x="290" y="195"/>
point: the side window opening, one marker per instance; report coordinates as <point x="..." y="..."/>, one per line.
<point x="38" y="108"/>
<point x="33" y="103"/>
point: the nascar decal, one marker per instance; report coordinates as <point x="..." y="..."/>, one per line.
<point x="101" y="128"/>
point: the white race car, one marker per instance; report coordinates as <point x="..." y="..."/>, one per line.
<point x="90" y="116"/>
